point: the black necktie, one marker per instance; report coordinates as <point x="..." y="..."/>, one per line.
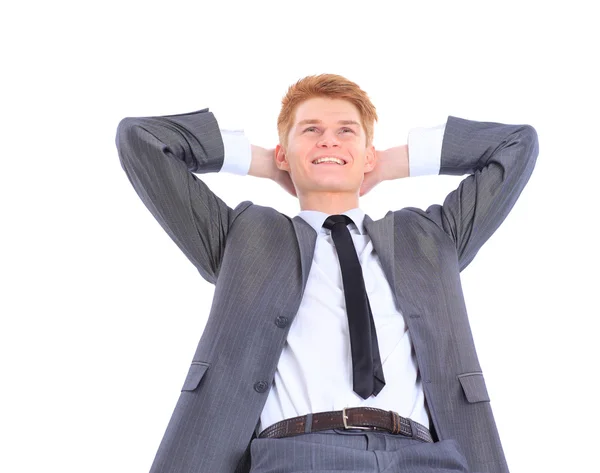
<point x="367" y="372"/>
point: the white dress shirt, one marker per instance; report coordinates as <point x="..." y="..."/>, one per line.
<point x="314" y="373"/>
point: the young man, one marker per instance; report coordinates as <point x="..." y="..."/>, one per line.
<point x="334" y="342"/>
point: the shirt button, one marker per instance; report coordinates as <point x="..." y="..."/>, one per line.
<point x="281" y="321"/>
<point x="261" y="386"/>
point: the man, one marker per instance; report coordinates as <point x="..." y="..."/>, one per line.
<point x="334" y="342"/>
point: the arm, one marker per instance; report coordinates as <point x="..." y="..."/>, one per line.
<point x="159" y="156"/>
<point x="419" y="157"/>
<point x="243" y="158"/>
<point x="499" y="160"/>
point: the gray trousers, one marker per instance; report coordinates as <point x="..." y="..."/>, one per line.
<point x="343" y="451"/>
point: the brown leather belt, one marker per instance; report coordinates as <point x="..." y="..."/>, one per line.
<point x="362" y="418"/>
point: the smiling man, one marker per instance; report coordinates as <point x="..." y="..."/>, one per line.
<point x="334" y="342"/>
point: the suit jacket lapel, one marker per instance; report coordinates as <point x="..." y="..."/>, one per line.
<point x="307" y="240"/>
<point x="381" y="233"/>
<point x="394" y="260"/>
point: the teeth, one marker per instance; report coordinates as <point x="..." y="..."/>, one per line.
<point x="329" y="160"/>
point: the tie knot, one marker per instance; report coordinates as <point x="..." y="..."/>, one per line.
<point x="335" y="219"/>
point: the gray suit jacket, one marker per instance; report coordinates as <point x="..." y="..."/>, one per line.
<point x="259" y="260"/>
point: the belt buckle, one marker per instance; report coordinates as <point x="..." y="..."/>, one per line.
<point x="346" y="426"/>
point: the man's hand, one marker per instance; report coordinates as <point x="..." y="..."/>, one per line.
<point x="390" y="164"/>
<point x="263" y="165"/>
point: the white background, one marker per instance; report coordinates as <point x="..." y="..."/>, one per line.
<point x="101" y="312"/>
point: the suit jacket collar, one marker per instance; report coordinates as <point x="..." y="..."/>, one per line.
<point x="380" y="231"/>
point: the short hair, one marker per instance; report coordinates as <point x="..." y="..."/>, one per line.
<point x="330" y="86"/>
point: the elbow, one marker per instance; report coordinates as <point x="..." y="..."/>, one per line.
<point x="127" y="142"/>
<point x="533" y="145"/>
<point x="525" y="139"/>
<point x="129" y="137"/>
<point x="125" y="130"/>
<point x="529" y="138"/>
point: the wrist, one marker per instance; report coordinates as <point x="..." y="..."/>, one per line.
<point x="395" y="163"/>
<point x="261" y="164"/>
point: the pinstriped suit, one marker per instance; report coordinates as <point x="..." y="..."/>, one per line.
<point x="259" y="260"/>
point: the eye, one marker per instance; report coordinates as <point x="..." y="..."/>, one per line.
<point x="314" y="128"/>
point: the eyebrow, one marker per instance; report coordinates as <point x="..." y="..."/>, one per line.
<point x="314" y="121"/>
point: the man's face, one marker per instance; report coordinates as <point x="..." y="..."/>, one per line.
<point x="326" y="127"/>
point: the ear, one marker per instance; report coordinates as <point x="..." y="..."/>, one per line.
<point x="370" y="158"/>
<point x="281" y="158"/>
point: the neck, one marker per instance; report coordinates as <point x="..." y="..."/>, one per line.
<point x="331" y="203"/>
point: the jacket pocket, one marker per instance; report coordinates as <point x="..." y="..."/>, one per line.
<point x="474" y="387"/>
<point x="195" y="374"/>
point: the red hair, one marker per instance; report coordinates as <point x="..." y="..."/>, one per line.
<point x="330" y="86"/>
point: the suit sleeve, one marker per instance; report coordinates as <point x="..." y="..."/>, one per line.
<point x="160" y="156"/>
<point x="499" y="160"/>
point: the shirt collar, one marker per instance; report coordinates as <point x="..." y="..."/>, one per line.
<point x="316" y="218"/>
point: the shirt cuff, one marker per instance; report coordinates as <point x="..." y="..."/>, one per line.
<point x="238" y="153"/>
<point x="425" y="150"/>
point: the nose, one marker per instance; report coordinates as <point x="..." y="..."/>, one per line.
<point x="328" y="139"/>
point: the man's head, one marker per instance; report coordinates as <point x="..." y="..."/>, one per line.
<point x="321" y="116"/>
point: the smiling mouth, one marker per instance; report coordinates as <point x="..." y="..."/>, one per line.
<point x="329" y="160"/>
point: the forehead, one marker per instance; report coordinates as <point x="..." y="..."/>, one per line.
<point x="326" y="110"/>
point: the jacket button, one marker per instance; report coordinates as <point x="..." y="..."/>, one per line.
<point x="281" y="321"/>
<point x="261" y="386"/>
